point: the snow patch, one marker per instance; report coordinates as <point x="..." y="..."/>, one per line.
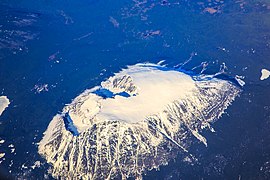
<point x="265" y="74"/>
<point x="2" y="155"/>
<point x="4" y="102"/>
<point x="36" y="165"/>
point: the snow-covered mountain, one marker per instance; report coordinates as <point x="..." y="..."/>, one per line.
<point x="133" y="122"/>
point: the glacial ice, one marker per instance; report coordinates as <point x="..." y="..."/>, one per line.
<point x="4" y="102"/>
<point x="134" y="122"/>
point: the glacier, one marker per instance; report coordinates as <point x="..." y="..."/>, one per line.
<point x="134" y="122"/>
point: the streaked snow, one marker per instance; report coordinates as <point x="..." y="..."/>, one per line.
<point x="120" y="137"/>
<point x="4" y="102"/>
<point x="265" y="74"/>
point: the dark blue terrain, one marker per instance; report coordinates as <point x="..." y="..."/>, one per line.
<point x="51" y="51"/>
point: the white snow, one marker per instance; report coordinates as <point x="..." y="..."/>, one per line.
<point x="4" y="102"/>
<point x="156" y="89"/>
<point x="126" y="135"/>
<point x="36" y="165"/>
<point x="240" y="80"/>
<point x="11" y="146"/>
<point x="265" y="74"/>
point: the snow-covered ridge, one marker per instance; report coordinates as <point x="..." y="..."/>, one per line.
<point x="122" y="135"/>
